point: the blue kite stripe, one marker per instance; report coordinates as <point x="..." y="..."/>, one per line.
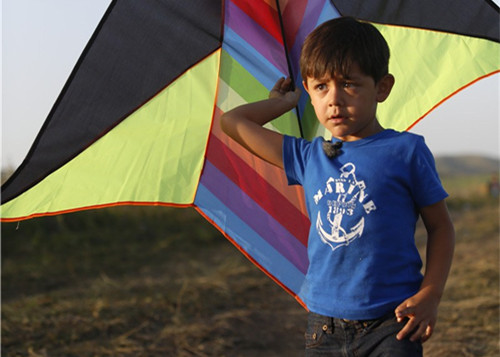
<point x="249" y="240"/>
<point x="255" y="216"/>
<point x="256" y="64"/>
<point x="329" y="12"/>
<point x="258" y="39"/>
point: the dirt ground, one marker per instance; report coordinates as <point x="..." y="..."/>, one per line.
<point x="468" y="322"/>
<point x="214" y="302"/>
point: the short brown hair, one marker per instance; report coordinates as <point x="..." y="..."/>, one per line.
<point x="336" y="44"/>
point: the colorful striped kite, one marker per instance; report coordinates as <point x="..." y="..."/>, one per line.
<point x="137" y="121"/>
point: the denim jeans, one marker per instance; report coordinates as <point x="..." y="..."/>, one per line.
<point x="327" y="336"/>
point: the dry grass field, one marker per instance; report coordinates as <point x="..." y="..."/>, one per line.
<point x="468" y="322"/>
<point x="163" y="282"/>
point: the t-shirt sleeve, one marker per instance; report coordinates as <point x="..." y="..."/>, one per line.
<point x="295" y="152"/>
<point x="427" y="188"/>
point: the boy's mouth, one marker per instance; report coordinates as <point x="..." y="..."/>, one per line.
<point x="337" y="119"/>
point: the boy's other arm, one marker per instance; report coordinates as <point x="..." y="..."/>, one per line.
<point x="421" y="309"/>
<point x="244" y="123"/>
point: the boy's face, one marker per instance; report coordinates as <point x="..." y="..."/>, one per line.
<point x="346" y="105"/>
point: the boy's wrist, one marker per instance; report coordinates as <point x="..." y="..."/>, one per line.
<point x="282" y="104"/>
<point x="432" y="291"/>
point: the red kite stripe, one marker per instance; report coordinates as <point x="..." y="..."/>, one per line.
<point x="294" y="194"/>
<point x="258" y="189"/>
<point x="264" y="15"/>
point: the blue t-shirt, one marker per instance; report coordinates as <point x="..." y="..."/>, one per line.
<point x="363" y="206"/>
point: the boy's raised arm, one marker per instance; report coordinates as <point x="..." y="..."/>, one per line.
<point x="244" y="123"/>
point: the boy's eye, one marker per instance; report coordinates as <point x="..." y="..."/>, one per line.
<point x="320" y="86"/>
<point x="348" y="84"/>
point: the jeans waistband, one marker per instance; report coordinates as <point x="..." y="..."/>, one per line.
<point x="341" y="321"/>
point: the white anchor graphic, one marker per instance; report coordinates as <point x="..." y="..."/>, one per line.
<point x="338" y="236"/>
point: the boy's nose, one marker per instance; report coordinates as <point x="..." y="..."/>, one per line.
<point x="335" y="97"/>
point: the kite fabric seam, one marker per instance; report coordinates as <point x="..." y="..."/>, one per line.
<point x="87" y="208"/>
<point x="214" y="109"/>
<point x="493" y="5"/>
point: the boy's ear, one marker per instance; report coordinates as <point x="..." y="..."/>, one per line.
<point x="304" y="83"/>
<point x="384" y="87"/>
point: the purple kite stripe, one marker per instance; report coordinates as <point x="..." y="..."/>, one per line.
<point x="256" y="36"/>
<point x="253" y="215"/>
<point x="309" y="23"/>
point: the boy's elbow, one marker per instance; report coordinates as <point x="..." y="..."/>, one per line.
<point x="224" y="123"/>
<point x="228" y="125"/>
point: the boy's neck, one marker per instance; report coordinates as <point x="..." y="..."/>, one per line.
<point x="372" y="128"/>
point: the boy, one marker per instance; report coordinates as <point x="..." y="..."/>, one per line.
<point x="364" y="192"/>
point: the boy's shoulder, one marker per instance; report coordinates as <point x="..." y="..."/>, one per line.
<point x="397" y="135"/>
<point x="402" y="136"/>
<point x="404" y="144"/>
<point x="406" y="139"/>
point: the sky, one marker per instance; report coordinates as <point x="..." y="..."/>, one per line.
<point x="42" y="41"/>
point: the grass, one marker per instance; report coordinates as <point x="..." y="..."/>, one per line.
<point x="150" y="281"/>
<point x="467" y="186"/>
<point x="134" y="282"/>
<point x="468" y="323"/>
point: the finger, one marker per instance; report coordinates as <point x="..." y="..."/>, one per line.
<point x="401" y="308"/>
<point x="428" y="333"/>
<point x="404" y="312"/>
<point x="286" y="85"/>
<point x="417" y="335"/>
<point x="287" y="81"/>
<point x="409" y="327"/>
<point x="278" y="84"/>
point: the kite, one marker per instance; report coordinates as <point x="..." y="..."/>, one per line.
<point x="137" y="121"/>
